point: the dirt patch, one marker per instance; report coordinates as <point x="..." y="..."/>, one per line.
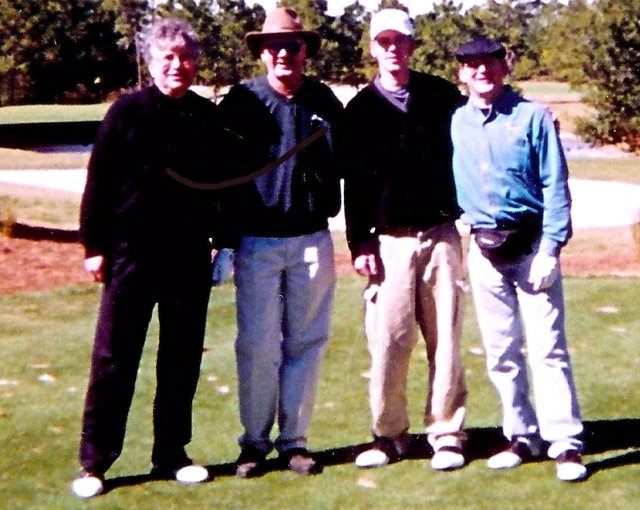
<point x="30" y="265"/>
<point x="27" y="265"/>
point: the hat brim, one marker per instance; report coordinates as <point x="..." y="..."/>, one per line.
<point x="311" y="39"/>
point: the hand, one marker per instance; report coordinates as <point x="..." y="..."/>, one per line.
<point x="544" y="271"/>
<point x="366" y="265"/>
<point x="95" y="266"/>
<point x="221" y="266"/>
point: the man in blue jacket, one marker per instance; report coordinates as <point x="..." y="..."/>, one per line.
<point x="511" y="179"/>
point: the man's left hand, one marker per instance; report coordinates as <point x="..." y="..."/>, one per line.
<point x="544" y="271"/>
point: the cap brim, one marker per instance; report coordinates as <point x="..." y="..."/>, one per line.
<point x="311" y="39"/>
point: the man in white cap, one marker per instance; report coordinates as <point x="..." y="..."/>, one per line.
<point x="284" y="268"/>
<point x="400" y="210"/>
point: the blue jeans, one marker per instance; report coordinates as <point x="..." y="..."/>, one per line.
<point x="510" y="313"/>
<point x="284" y="292"/>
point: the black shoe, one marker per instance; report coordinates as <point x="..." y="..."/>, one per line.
<point x="251" y="463"/>
<point x="300" y="461"/>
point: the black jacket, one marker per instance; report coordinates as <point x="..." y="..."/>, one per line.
<point x="398" y="165"/>
<point x="298" y="195"/>
<point x="129" y="197"/>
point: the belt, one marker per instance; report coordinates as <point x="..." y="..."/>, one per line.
<point x="408" y="231"/>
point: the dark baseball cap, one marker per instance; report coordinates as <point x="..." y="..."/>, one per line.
<point x="481" y="47"/>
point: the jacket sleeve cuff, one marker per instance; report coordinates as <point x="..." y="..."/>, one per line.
<point x="550" y="247"/>
<point x="366" y="247"/>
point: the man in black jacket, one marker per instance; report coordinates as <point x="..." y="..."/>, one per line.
<point x="146" y="237"/>
<point x="284" y="268"/>
<point x="400" y="211"/>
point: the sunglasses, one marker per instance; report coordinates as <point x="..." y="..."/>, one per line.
<point x="292" y="47"/>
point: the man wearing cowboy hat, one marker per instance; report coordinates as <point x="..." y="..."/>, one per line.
<point x="284" y="267"/>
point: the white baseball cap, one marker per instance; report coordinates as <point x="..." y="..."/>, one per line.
<point x="391" y="19"/>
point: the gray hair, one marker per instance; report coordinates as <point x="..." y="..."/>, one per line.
<point x="170" y="32"/>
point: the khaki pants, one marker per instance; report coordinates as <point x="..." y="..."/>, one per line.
<point x="421" y="286"/>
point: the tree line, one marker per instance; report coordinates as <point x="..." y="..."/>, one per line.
<point x="89" y="50"/>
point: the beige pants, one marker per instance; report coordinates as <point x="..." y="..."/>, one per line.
<point x="421" y="286"/>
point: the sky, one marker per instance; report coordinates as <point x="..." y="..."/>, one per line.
<point x="337" y="6"/>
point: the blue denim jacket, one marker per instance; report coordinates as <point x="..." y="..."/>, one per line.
<point x="509" y="167"/>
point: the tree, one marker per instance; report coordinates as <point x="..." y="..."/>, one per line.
<point x="392" y="4"/>
<point x="438" y="34"/>
<point x="565" y="40"/>
<point x="131" y="17"/>
<point x="66" y="52"/>
<point x="226" y="52"/>
<point x="314" y="17"/>
<point x="514" y="23"/>
<point x="612" y="72"/>
<point x="349" y="30"/>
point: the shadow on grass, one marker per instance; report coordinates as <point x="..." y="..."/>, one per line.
<point x="600" y="437"/>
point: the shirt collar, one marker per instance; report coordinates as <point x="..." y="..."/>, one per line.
<point x="502" y="105"/>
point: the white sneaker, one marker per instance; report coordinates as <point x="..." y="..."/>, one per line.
<point x="87" y="485"/>
<point x="517" y="452"/>
<point x="504" y="460"/>
<point x="372" y="459"/>
<point x="569" y="467"/>
<point x="447" y="458"/>
<point x="192" y="474"/>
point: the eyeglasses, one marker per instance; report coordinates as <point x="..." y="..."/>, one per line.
<point x="293" y="47"/>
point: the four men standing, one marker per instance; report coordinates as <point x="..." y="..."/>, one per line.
<point x="147" y="239"/>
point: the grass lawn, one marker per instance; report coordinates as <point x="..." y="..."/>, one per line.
<point x="17" y="159"/>
<point x="52" y="113"/>
<point x="549" y="91"/>
<point x="40" y="207"/>
<point x="561" y="99"/>
<point x="619" y="170"/>
<point x="46" y="346"/>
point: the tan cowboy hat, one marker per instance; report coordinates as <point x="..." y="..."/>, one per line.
<point x="283" y="22"/>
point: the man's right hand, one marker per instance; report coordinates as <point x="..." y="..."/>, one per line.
<point x="366" y="265"/>
<point x="95" y="266"/>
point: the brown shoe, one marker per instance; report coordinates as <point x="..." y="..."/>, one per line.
<point x="251" y="463"/>
<point x="300" y="461"/>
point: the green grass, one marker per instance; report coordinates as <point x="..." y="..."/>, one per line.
<point x="549" y="91"/>
<point x="621" y="170"/>
<point x="23" y="159"/>
<point x="52" y="113"/>
<point x="40" y="207"/>
<point x="50" y="334"/>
